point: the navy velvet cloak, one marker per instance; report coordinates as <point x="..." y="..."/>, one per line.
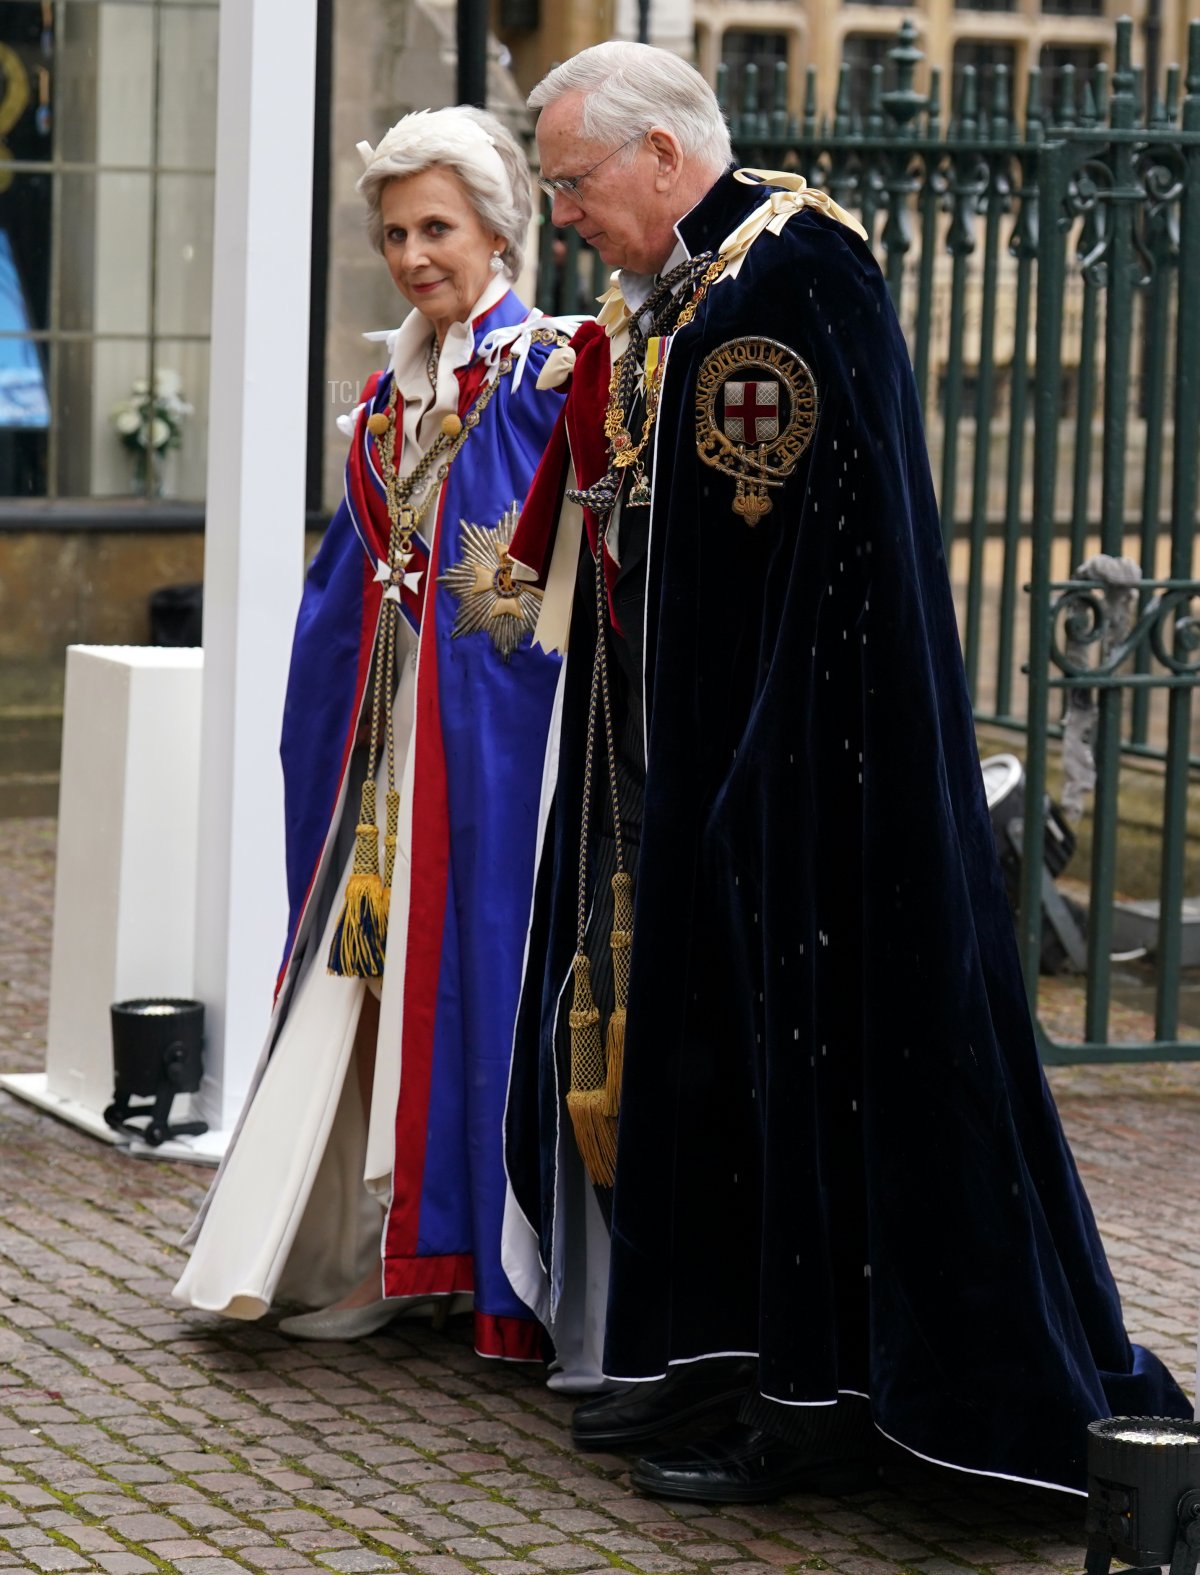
<point x="837" y="1148"/>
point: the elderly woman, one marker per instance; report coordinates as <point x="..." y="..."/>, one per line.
<point x="414" y="689"/>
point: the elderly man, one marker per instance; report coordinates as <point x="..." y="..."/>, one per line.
<point x="802" y="1075"/>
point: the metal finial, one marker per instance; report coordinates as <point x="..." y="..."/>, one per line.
<point x="810" y="100"/>
<point x="903" y="103"/>
<point x="968" y="104"/>
<point x="1000" y="123"/>
<point x="1034" y="113"/>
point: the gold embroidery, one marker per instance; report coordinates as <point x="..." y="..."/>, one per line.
<point x="756" y="411"/>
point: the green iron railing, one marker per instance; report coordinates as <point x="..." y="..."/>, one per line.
<point x="1037" y="271"/>
<point x="1139" y="191"/>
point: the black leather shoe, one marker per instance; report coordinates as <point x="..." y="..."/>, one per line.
<point x="638" y="1414"/>
<point x="744" y="1465"/>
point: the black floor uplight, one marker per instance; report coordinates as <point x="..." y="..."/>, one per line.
<point x="158" y="1050"/>
<point x="1143" y="1495"/>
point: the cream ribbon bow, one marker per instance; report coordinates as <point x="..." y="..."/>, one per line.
<point x="779" y="207"/>
<point x="556" y="368"/>
<point x="614" y="312"/>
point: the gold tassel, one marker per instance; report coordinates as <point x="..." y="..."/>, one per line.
<point x="360" y="936"/>
<point x="621" y="942"/>
<point x="389" y="846"/>
<point x="595" y="1131"/>
<point x="595" y="1135"/>
<point x="614" y="1053"/>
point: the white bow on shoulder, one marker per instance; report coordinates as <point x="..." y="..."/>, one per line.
<point x="516" y="342"/>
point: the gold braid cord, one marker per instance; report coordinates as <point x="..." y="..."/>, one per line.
<point x="593" y="1099"/>
<point x="598" y="1066"/>
<point x="595" y="1129"/>
<point x="359" y="945"/>
<point x="598" y="1062"/>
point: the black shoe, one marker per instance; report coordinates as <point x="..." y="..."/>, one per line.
<point x="744" y="1465"/>
<point x="640" y="1413"/>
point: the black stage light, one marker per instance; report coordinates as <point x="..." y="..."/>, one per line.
<point x="1143" y="1495"/>
<point x="158" y="1052"/>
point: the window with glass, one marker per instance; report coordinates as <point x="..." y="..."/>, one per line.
<point x="741" y="47"/>
<point x="862" y="52"/>
<point x="984" y="55"/>
<point x="1073" y="7"/>
<point x="1054" y="60"/>
<point x="107" y="129"/>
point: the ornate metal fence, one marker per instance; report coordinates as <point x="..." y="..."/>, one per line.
<point x="1048" y="277"/>
<point x="1133" y="194"/>
<point x="1047" y="274"/>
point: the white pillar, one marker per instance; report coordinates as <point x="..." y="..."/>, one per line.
<point x="254" y="533"/>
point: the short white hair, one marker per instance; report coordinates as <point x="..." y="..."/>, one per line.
<point x="629" y="88"/>
<point x="473" y="145"/>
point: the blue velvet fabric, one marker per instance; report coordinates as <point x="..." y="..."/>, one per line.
<point x="837" y="1148"/>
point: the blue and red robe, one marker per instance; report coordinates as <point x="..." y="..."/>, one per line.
<point x="476" y="752"/>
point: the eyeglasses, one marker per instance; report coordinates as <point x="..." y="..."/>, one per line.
<point x="568" y="185"/>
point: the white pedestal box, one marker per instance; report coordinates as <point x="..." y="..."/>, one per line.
<point x="125" y="886"/>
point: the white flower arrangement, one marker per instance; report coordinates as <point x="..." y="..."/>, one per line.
<point x="151" y="419"/>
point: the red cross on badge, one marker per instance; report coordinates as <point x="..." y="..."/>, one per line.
<point x="751" y="411"/>
<point x="756" y="412"/>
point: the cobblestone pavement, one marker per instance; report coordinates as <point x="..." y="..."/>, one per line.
<point x="135" y="1436"/>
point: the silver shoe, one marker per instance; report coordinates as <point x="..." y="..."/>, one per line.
<point x="349" y="1323"/>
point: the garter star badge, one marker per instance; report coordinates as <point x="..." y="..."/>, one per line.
<point x="756" y="410"/>
<point x="489" y="598"/>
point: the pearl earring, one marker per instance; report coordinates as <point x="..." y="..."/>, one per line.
<point x="497" y="263"/>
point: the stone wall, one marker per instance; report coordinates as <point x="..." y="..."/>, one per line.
<point x="88" y="586"/>
<point x="60" y="588"/>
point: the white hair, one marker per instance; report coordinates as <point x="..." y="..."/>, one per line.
<point x="630" y="88"/>
<point x="473" y="145"/>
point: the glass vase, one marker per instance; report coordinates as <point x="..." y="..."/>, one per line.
<point x="146" y="480"/>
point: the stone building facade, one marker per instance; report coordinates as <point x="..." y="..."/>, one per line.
<point x="1019" y="34"/>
